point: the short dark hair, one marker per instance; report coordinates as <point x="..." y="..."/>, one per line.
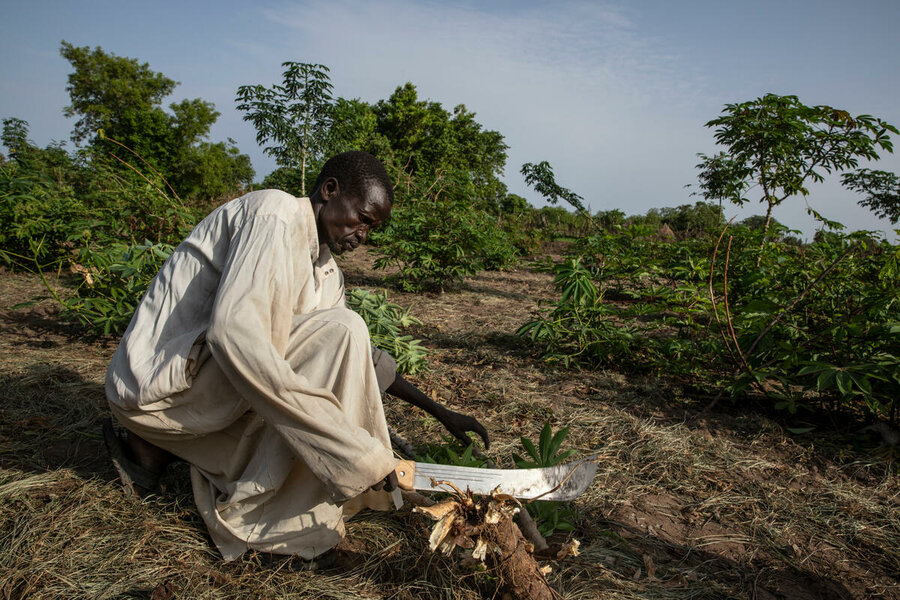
<point x="356" y="172"/>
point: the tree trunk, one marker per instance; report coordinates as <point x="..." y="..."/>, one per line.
<point x="303" y="174"/>
<point x="762" y="244"/>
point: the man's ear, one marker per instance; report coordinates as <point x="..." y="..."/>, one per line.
<point x="329" y="189"/>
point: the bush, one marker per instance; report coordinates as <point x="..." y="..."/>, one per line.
<point x="52" y="204"/>
<point x="385" y="320"/>
<point x="816" y="327"/>
<point x="436" y="243"/>
<point x="111" y="283"/>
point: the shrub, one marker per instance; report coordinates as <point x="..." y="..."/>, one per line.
<point x="384" y="320"/>
<point x="111" y="283"/>
<point x="815" y="327"/>
<point x="436" y="243"/>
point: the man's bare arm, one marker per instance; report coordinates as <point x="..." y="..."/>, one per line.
<point x="457" y="424"/>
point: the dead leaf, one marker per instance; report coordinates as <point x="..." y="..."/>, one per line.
<point x="164" y="591"/>
<point x="649" y="567"/>
<point x="676" y="582"/>
<point x="570" y="548"/>
<point x="438" y="511"/>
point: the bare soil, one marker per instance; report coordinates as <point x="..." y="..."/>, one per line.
<point x="686" y="503"/>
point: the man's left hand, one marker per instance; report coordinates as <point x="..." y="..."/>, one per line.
<point x="459" y="425"/>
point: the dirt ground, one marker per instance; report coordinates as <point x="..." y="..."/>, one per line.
<point x="686" y="503"/>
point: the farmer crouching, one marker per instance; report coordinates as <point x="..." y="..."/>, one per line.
<point x="243" y="360"/>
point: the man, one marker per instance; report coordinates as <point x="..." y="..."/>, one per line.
<point x="243" y="360"/>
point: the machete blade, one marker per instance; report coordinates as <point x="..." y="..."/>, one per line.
<point x="560" y="482"/>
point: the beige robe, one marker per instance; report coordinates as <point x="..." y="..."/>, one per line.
<point x="243" y="359"/>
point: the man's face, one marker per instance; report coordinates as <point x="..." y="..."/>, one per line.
<point x="345" y="220"/>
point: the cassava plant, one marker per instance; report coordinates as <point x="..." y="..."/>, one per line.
<point x="437" y="242"/>
<point x="385" y="320"/>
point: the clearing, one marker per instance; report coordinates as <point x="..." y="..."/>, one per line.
<point x="686" y="504"/>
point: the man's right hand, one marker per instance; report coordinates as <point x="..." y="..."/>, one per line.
<point x="388" y="484"/>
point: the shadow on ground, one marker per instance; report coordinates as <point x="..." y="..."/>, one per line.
<point x="50" y="418"/>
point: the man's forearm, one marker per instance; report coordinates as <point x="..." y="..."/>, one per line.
<point x="457" y="424"/>
<point x="407" y="392"/>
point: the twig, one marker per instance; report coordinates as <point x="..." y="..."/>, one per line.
<point x="144" y="177"/>
<point x="737" y="346"/>
<point x="106" y="137"/>
<point x="712" y="293"/>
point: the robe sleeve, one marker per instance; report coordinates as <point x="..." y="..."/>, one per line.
<point x="266" y="270"/>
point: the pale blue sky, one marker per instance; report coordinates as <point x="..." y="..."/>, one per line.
<point x="613" y="94"/>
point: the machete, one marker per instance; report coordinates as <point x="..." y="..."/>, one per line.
<point x="560" y="482"/>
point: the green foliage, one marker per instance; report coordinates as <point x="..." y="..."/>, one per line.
<point x="437" y="242"/>
<point x="37" y="216"/>
<point x="385" y="320"/>
<point x="697" y="220"/>
<point x="118" y="102"/>
<point x="111" y="283"/>
<point x="450" y="452"/>
<point x="818" y="340"/>
<point x="547" y="453"/>
<point x="294" y="117"/>
<point x="881" y="189"/>
<point x="116" y="94"/>
<point x="540" y="177"/>
<point x="428" y="143"/>
<point x="550" y="516"/>
<point x="779" y="144"/>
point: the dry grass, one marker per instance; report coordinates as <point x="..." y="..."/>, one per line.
<point x="685" y="505"/>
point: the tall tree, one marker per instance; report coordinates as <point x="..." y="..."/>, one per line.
<point x="779" y="144"/>
<point x="293" y="117"/>
<point x="429" y="142"/>
<point x="116" y="94"/>
<point x="118" y="98"/>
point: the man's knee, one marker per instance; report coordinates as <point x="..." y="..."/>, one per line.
<point x="342" y="321"/>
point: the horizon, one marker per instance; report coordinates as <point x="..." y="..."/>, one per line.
<point x="613" y="95"/>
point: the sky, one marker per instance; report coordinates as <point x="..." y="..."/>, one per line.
<point x="614" y="95"/>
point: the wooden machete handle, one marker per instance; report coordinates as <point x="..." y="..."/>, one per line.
<point x="406" y="474"/>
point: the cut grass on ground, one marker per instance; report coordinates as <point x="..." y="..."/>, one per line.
<point x="685" y="504"/>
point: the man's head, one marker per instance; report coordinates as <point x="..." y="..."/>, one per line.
<point x="352" y="195"/>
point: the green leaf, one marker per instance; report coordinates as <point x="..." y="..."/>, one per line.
<point x="530" y="449"/>
<point x="544" y="444"/>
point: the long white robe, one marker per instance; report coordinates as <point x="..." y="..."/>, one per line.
<point x="243" y="359"/>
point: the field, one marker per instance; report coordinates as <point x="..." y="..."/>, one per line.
<point x="687" y="503"/>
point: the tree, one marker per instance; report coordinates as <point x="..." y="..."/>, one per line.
<point x="540" y="177"/>
<point x="428" y="143"/>
<point x="881" y="189"/>
<point x="293" y="117"/>
<point x="15" y="136"/>
<point x="116" y="94"/>
<point x="779" y="144"/>
<point x="722" y="178"/>
<point x="120" y="99"/>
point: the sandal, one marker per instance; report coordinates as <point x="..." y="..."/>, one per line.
<point x="137" y="480"/>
